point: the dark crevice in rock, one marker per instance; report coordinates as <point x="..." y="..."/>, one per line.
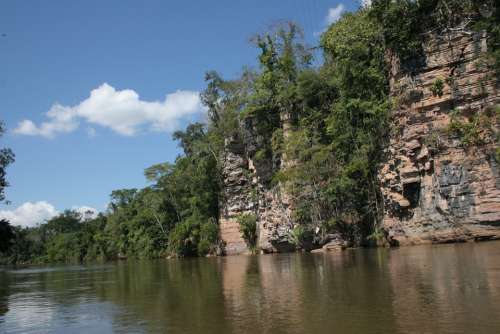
<point x="411" y="191"/>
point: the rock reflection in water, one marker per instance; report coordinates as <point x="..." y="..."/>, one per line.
<point x="440" y="289"/>
<point x="446" y="289"/>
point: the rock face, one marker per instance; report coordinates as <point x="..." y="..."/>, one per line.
<point x="436" y="188"/>
<point x="248" y="190"/>
<point x="237" y="195"/>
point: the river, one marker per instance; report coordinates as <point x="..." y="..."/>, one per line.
<point x="425" y="289"/>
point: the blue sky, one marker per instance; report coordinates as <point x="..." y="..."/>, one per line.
<point x="143" y="61"/>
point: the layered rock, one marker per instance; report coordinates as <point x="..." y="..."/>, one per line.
<point x="436" y="188"/>
<point x="237" y="195"/>
<point x="275" y="223"/>
<point x="248" y="190"/>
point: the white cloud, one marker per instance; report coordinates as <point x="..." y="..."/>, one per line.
<point x="86" y="212"/>
<point x="334" y="14"/>
<point x="120" y="110"/>
<point x="30" y="214"/>
<point x="366" y="3"/>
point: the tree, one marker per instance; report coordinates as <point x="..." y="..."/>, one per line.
<point x="342" y="116"/>
<point x="6" y="235"/>
<point x="122" y="198"/>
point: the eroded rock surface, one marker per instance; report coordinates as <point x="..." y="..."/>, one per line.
<point x="237" y="195"/>
<point x="248" y="190"/>
<point x="436" y="188"/>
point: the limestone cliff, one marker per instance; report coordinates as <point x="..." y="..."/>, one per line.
<point x="436" y="187"/>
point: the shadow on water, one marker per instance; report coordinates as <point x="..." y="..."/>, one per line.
<point x="431" y="289"/>
<point x="4" y="293"/>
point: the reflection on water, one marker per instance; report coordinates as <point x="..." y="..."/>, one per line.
<point x="439" y="289"/>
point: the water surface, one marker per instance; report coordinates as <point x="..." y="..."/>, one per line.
<point x="428" y="289"/>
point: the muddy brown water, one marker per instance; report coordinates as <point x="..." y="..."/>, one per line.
<point x="425" y="289"/>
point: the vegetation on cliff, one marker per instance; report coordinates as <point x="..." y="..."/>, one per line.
<point x="322" y="129"/>
<point x="405" y="24"/>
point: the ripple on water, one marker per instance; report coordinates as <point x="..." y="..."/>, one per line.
<point x="443" y="289"/>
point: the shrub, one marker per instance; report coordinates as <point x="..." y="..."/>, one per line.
<point x="194" y="236"/>
<point x="433" y="142"/>
<point x="209" y="234"/>
<point x="248" y="229"/>
<point x="467" y="131"/>
<point x="377" y="236"/>
<point x="180" y="240"/>
<point x="437" y="87"/>
<point x="301" y="235"/>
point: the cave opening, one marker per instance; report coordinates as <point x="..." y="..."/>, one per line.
<point x="411" y="191"/>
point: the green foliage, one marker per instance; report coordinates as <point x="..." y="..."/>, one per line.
<point x="180" y="239"/>
<point x="405" y="22"/>
<point x="261" y="155"/>
<point x="340" y="126"/>
<point x="402" y="26"/>
<point x="25" y="247"/>
<point x="437" y="87"/>
<point x="138" y="228"/>
<point x="488" y="19"/>
<point x="6" y="236"/>
<point x="301" y="235"/>
<point x="473" y="130"/>
<point x="181" y="204"/>
<point x="156" y="172"/>
<point x="331" y="225"/>
<point x="283" y="56"/>
<point x="209" y="237"/>
<point x="378" y="236"/>
<point x="68" y="238"/>
<point x="248" y="229"/>
<point x="64" y="247"/>
<point x="336" y="177"/>
<point x="194" y="236"/>
<point x="277" y="141"/>
<point x="354" y="51"/>
<point x="469" y="132"/>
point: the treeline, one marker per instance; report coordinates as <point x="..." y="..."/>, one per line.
<point x="176" y="215"/>
<point x="329" y="122"/>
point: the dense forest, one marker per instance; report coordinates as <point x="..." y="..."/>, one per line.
<point x="339" y="114"/>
